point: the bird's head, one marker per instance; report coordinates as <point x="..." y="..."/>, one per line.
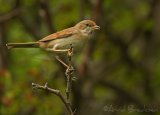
<point x="87" y="27"/>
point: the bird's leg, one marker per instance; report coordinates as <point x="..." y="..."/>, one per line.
<point x="55" y="49"/>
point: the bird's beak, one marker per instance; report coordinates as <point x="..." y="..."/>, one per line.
<point x="96" y="27"/>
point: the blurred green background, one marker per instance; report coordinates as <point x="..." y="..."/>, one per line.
<point x="118" y="71"/>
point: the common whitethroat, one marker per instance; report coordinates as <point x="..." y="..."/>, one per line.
<point x="61" y="40"/>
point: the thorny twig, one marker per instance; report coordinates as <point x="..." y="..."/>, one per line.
<point x="69" y="71"/>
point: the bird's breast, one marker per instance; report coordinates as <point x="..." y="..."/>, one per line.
<point x="75" y="40"/>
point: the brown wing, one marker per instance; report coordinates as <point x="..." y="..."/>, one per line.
<point x="60" y="34"/>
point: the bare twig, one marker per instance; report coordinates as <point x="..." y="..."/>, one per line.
<point x="69" y="71"/>
<point x="63" y="63"/>
<point x="56" y="92"/>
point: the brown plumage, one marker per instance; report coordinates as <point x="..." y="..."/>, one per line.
<point x="59" y="40"/>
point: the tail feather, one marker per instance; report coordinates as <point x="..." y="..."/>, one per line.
<point x="22" y="45"/>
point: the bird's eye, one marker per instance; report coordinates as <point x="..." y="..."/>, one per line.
<point x="87" y="24"/>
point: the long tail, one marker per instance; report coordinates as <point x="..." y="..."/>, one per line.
<point x="23" y="45"/>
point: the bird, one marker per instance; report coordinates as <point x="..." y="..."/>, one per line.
<point x="61" y="40"/>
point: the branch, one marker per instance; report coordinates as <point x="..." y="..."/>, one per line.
<point x="69" y="71"/>
<point x="56" y="92"/>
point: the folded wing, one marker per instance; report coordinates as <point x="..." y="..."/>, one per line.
<point x="60" y="34"/>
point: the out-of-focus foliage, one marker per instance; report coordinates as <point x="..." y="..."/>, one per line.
<point x="118" y="71"/>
